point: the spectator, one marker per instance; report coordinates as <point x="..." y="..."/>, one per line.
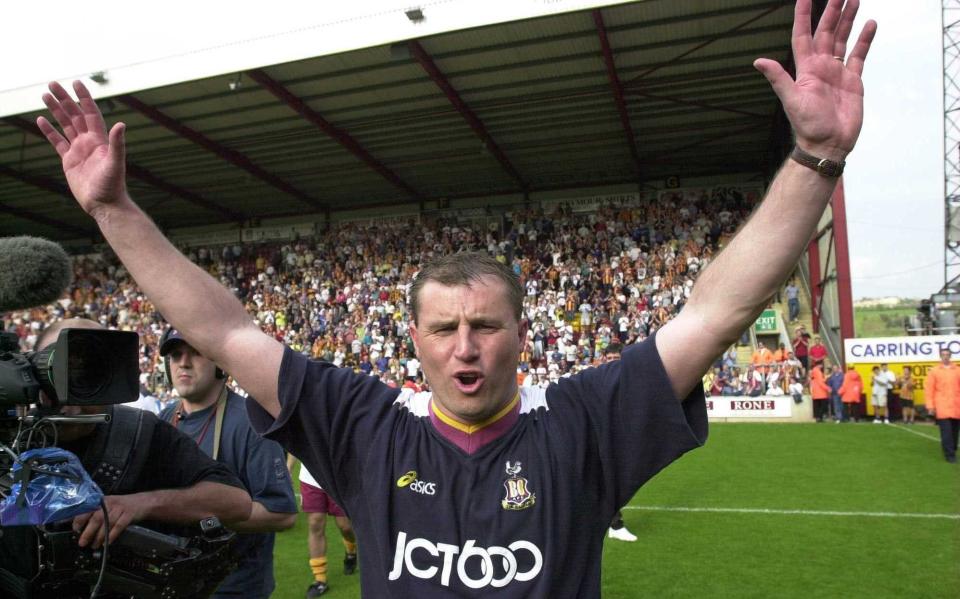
<point x="781" y="354"/>
<point x="734" y="383"/>
<point x="794" y="363"/>
<point x="893" y="400"/>
<point x="818" y="351"/>
<point x="880" y="384"/>
<point x="795" y="387"/>
<point x="801" y="345"/>
<point x="753" y="382"/>
<point x="776" y="383"/>
<point x="906" y="386"/>
<point x="835" y="382"/>
<point x="793" y="301"/>
<point x="717" y="382"/>
<point x="730" y="357"/>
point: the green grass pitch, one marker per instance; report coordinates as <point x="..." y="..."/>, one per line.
<point x="793" y="471"/>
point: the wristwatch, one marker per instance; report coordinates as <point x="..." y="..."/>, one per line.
<point x="824" y="166"/>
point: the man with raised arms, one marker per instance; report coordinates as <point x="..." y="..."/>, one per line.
<point x="479" y="487"/>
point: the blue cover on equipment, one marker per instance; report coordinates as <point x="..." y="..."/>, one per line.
<point x="51" y="485"/>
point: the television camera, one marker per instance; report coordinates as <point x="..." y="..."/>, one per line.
<point x="87" y="367"/>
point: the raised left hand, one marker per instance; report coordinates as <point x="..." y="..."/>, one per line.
<point x="825" y="102"/>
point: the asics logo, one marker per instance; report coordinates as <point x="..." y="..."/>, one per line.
<point x="417" y="486"/>
<point x="476" y="567"/>
<point x="407" y="478"/>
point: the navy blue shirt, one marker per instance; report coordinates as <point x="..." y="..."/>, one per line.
<point x="261" y="466"/>
<point x="523" y="516"/>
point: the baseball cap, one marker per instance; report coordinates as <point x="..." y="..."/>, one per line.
<point x="170" y="337"/>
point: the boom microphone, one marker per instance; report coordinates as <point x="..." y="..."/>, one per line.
<point x="33" y="272"/>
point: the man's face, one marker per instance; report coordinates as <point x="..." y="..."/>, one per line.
<point x="193" y="376"/>
<point x="611" y="356"/>
<point x="945" y="355"/>
<point x="468" y="341"/>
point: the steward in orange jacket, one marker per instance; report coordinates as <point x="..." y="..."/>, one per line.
<point x="942" y="390"/>
<point x="852" y="386"/>
<point x="820" y="392"/>
<point x="762" y="358"/>
<point x="818" y="384"/>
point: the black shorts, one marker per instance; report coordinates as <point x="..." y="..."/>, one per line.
<point x="906" y="403"/>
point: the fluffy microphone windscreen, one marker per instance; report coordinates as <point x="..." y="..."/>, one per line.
<point x="33" y="272"/>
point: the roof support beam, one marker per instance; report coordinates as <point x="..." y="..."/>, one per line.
<point x="617" y="89"/>
<point x="707" y="140"/>
<point x="341" y="137"/>
<point x="234" y="157"/>
<point x="145" y="176"/>
<point x="44" y="183"/>
<point x="704" y="44"/>
<point x="705" y="105"/>
<point x="47" y="185"/>
<point x="421" y="56"/>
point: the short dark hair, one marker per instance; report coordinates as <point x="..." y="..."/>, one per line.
<point x="463" y="269"/>
<point x="613" y="348"/>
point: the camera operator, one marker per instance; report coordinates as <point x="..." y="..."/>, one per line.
<point x="168" y="480"/>
<point x="216" y="419"/>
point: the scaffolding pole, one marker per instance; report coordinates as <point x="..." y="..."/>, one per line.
<point x="951" y="144"/>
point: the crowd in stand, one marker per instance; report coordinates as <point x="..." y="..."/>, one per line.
<point x="615" y="274"/>
<point x="779" y="372"/>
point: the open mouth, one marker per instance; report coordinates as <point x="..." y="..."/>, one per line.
<point x="468" y="382"/>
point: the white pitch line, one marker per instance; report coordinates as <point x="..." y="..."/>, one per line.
<point x="909" y="430"/>
<point x="735" y="510"/>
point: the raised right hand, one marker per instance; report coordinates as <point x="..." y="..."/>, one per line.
<point x="93" y="161"/>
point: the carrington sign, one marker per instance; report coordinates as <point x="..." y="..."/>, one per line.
<point x="899" y="349"/>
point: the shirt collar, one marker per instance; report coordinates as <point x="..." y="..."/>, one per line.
<point x="471" y="437"/>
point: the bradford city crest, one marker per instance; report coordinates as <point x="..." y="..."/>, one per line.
<point x="518" y="495"/>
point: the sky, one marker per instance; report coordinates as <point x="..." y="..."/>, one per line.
<point x="894" y="178"/>
<point x="893" y="181"/>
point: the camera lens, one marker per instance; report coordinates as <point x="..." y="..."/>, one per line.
<point x="88" y="372"/>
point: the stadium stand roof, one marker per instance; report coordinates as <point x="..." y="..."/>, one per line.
<point x="630" y="93"/>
